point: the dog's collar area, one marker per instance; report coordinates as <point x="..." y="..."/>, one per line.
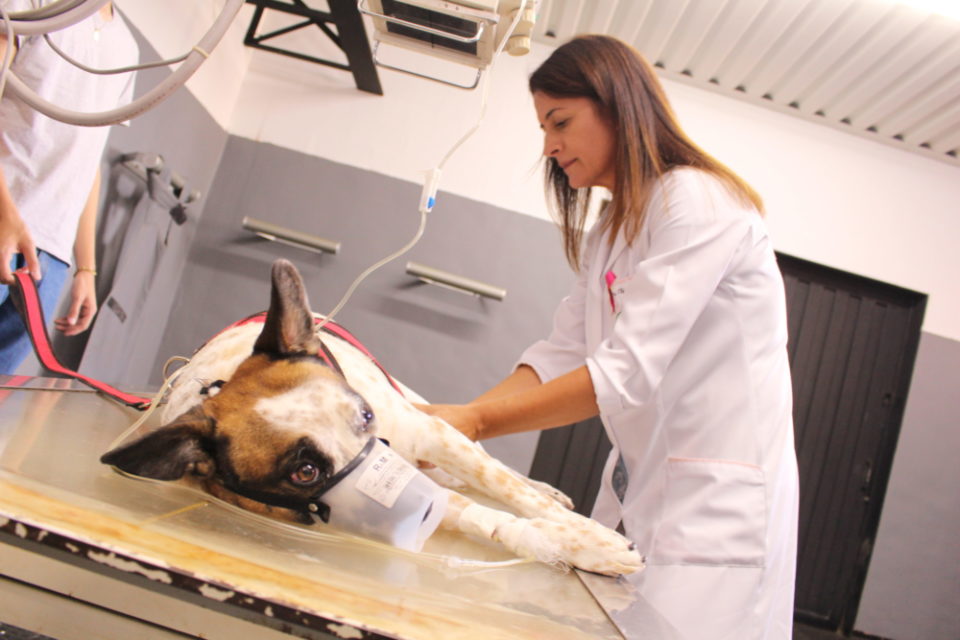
<point x="313" y="507"/>
<point x="325" y="354"/>
<point x="330" y="359"/>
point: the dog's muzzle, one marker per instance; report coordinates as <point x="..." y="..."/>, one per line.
<point x="377" y="495"/>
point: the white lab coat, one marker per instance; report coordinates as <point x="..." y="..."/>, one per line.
<point x="684" y="335"/>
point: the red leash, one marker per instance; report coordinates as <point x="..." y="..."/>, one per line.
<point x="27" y="300"/>
<point x="28" y="303"/>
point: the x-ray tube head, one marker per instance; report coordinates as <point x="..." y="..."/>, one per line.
<point x="463" y="31"/>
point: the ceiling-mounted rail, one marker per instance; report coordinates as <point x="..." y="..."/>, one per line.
<point x="348" y="34"/>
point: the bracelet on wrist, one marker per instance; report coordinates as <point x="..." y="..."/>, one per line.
<point x="90" y="270"/>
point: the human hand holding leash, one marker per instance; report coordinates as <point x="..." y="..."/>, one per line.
<point x="14" y="239"/>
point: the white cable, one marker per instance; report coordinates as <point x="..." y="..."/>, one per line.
<point x="51" y="9"/>
<point x="429" y="193"/>
<point x="27" y="23"/>
<point x="485" y="90"/>
<point x="154" y="403"/>
<point x="173" y="82"/>
<point x="11" y="43"/>
<point x="136" y="67"/>
<point x="374" y="267"/>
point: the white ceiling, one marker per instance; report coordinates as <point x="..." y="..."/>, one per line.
<point x="870" y="67"/>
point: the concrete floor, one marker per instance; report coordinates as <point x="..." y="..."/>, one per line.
<point x="800" y="632"/>
<point x="16" y="633"/>
<point x="805" y="632"/>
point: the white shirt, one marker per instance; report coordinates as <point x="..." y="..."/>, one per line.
<point x="684" y="335"/>
<point x="50" y="166"/>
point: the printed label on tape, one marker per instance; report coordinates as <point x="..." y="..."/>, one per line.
<point x="386" y="478"/>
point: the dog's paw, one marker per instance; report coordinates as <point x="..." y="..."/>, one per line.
<point x="594" y="549"/>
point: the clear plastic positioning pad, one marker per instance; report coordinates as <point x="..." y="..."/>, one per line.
<point x="52" y="486"/>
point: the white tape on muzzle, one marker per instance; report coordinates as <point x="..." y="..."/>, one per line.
<point x="386" y="498"/>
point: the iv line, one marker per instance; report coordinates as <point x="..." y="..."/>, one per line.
<point x="428" y="195"/>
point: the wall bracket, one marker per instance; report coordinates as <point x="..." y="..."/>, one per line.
<point x="342" y="24"/>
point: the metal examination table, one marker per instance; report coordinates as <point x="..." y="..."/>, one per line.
<point x="87" y="553"/>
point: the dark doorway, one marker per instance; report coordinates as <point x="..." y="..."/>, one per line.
<point x="853" y="342"/>
<point x="852" y="346"/>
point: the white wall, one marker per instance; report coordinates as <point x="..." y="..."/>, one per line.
<point x="832" y="197"/>
<point x="842" y="200"/>
<point x="173" y="27"/>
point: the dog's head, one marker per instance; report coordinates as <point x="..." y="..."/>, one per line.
<point x="276" y="431"/>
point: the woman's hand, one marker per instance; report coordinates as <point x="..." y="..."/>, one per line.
<point x="463" y="417"/>
<point x="14" y="239"/>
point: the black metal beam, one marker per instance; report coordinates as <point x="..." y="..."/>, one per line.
<point x="350" y="36"/>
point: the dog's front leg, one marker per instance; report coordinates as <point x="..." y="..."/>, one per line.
<point x="549" y="532"/>
<point x="432" y="440"/>
<point x="539" y="539"/>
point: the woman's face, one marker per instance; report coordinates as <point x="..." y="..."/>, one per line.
<point x="578" y="138"/>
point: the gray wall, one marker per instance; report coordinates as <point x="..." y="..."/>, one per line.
<point x="191" y="143"/>
<point x="913" y="585"/>
<point x="446" y="345"/>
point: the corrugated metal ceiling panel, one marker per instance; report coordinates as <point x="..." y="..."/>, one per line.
<point x="870" y="67"/>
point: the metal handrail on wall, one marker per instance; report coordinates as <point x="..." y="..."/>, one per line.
<point x="462" y="284"/>
<point x="290" y="237"/>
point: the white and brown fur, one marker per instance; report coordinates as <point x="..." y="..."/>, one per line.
<point x="282" y="411"/>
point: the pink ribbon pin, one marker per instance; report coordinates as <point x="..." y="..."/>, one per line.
<point x="611" y="277"/>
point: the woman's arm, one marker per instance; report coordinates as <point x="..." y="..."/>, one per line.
<point x="519" y="406"/>
<point x="522" y="378"/>
<point x="83" y="290"/>
<point x="14" y="236"/>
<point x="564" y="400"/>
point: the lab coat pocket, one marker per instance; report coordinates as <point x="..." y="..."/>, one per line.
<point x="714" y="513"/>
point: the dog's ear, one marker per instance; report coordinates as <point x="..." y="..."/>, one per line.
<point x="172" y="451"/>
<point x="288" y="328"/>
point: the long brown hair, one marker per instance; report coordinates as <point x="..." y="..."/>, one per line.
<point x="649" y="143"/>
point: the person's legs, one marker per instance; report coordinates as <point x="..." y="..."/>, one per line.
<point x="14" y="341"/>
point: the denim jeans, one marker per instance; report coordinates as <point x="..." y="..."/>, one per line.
<point x="14" y="342"/>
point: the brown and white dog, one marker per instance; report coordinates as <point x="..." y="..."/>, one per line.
<point x="285" y="420"/>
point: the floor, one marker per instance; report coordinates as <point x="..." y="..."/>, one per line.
<point x="805" y="632"/>
<point x="800" y="632"/>
<point x="8" y="632"/>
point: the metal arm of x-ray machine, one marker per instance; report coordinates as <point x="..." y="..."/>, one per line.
<point x="64" y="13"/>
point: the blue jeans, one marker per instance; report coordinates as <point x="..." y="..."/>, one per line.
<point x="14" y="342"/>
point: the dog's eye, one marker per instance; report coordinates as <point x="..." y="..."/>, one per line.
<point x="306" y="474"/>
<point x="366" y="418"/>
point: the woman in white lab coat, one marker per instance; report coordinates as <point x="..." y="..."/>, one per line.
<point x="675" y="333"/>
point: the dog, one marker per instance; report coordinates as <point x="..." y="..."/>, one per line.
<point x="282" y="419"/>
